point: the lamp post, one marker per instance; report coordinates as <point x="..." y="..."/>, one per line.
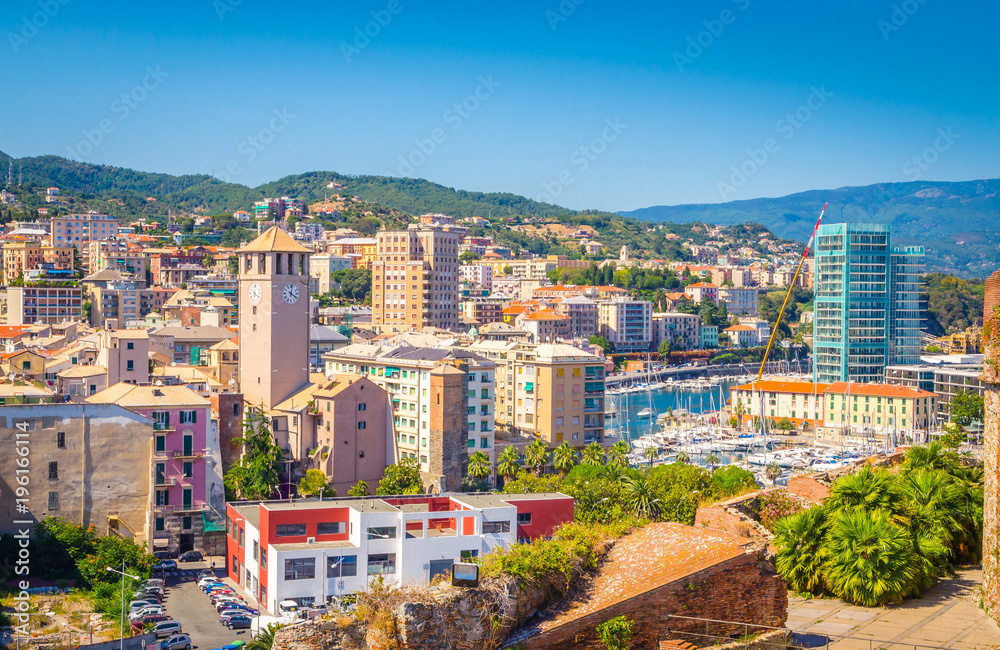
<point x="597" y="504"/>
<point x="122" y="573"/>
<point x="677" y="511"/>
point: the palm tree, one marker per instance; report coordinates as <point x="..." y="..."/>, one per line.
<point x="799" y="539"/>
<point x="479" y="465"/>
<point x="682" y="457"/>
<point x="870" y="559"/>
<point x="772" y="471"/>
<point x="870" y="489"/>
<point x="933" y="456"/>
<point x="564" y="458"/>
<point x="651" y="454"/>
<point x="509" y="463"/>
<point x="712" y="460"/>
<point x="536" y="454"/>
<point x="265" y="638"/>
<point x="612" y="472"/>
<point x="617" y="453"/>
<point x="639" y="496"/>
<point x="741" y="410"/>
<point x="593" y="454"/>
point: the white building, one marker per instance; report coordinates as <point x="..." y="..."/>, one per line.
<point x="479" y="275"/>
<point x="739" y="301"/>
<point x="627" y="323"/>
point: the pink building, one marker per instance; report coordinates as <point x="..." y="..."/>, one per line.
<point x="188" y="496"/>
<point x="702" y="291"/>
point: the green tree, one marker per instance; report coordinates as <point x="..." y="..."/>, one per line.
<point x="536" y="455"/>
<point x="508" y="463"/>
<point x="772" y="471"/>
<point x="601" y="342"/>
<point x="966" y="408"/>
<point x="479" y="465"/>
<point x="932" y="456"/>
<point x="664" y="350"/>
<point x="712" y="460"/>
<point x="616" y="633"/>
<point x="651" y="454"/>
<point x="618" y="454"/>
<point x="870" y="560"/>
<point x="258" y="473"/>
<point x="401" y="478"/>
<point x="315" y="481"/>
<point x="682" y="457"/>
<point x="640" y="497"/>
<point x="732" y="480"/>
<point x="865" y="491"/>
<point x="467" y="257"/>
<point x="785" y="424"/>
<point x="564" y="458"/>
<point x="265" y="638"/>
<point x="593" y="455"/>
<point x="360" y="489"/>
<point x="800" y="541"/>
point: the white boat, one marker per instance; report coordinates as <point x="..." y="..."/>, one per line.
<point x="645" y="413"/>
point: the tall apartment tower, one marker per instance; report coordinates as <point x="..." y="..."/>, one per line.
<point x="274" y="318"/>
<point x="867" y="310"/>
<point x="415" y="277"/>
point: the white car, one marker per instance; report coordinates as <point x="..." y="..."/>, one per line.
<point x="176" y="642"/>
<point x="140" y="614"/>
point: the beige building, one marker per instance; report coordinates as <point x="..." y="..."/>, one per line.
<point x="274" y="318"/>
<point x="44" y="303"/>
<point x="21" y="256"/>
<point x="681" y="331"/>
<point x="551" y="391"/>
<point x="415" y="278"/>
<point x="88" y="463"/>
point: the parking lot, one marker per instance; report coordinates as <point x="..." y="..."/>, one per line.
<point x="187" y="604"/>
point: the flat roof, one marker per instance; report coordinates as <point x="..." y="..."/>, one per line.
<point x="250" y="513"/>
<point x="313" y="545"/>
<point x="369" y="505"/>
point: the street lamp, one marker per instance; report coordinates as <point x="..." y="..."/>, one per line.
<point x="677" y="511"/>
<point x="597" y="504"/>
<point x="122" y="573"/>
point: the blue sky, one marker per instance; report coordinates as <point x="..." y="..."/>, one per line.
<point x="587" y="103"/>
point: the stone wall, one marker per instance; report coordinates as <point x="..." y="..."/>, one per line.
<point x="991" y="447"/>
<point x="733" y="516"/>
<point x="744" y="589"/>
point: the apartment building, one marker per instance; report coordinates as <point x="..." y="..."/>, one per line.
<point x="321" y="267"/>
<point x="581" y="315"/>
<point x="681" y="331"/>
<point x="739" y="301"/>
<point x="550" y="391"/>
<point x="700" y="291"/>
<point x="952" y="379"/>
<point x="362" y="251"/>
<point x="742" y="336"/>
<point x="46" y="303"/>
<point x="185" y="344"/>
<point x="478" y="275"/>
<point x="415" y="278"/>
<point x="839" y="405"/>
<point x="867" y="312"/>
<point x="536" y="269"/>
<point x="626" y="323"/>
<point x="117" y="253"/>
<point x="22" y="256"/>
<point x="483" y="310"/>
<point x="187" y="460"/>
<point x="78" y="230"/>
<point x="311" y="551"/>
<point x="90" y="464"/>
<point x="406" y="374"/>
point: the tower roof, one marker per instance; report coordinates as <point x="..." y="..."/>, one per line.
<point x="274" y="240"/>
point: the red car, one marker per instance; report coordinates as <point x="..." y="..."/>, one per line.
<point x="152" y="618"/>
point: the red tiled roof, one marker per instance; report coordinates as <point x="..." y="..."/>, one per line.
<point x="879" y="390"/>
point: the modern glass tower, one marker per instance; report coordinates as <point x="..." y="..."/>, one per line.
<point x="867" y="309"/>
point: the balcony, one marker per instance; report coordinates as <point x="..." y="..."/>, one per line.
<point x="163" y="481"/>
<point x="183" y="507"/>
<point x="190" y="453"/>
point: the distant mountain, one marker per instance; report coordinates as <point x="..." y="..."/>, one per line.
<point x="957" y="223"/>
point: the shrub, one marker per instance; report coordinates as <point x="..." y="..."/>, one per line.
<point x="616" y="633"/>
<point x="774" y="505"/>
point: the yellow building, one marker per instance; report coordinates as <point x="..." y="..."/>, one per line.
<point x="21" y="256"/>
<point x="361" y="250"/>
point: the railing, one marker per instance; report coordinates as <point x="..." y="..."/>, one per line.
<point x="163" y="481"/>
<point x="183" y="507"/>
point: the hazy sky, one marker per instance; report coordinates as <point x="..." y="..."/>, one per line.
<point x="585" y="103"/>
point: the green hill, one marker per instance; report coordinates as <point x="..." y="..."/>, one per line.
<point x="958" y="223"/>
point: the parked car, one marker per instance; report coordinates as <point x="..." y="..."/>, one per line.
<point x="191" y="556"/>
<point x="140" y="614"/>
<point x="223" y="605"/>
<point x="238" y="622"/>
<point x="239" y="609"/>
<point x="176" y="642"/>
<point x="165" y="565"/>
<point x="166" y="628"/>
<point x="220" y="591"/>
<point x="151" y="618"/>
<point x="226" y="600"/>
<point x="139" y="604"/>
<point x="206" y="582"/>
<point x="148" y="597"/>
<point x="152" y="589"/>
<point x="165" y="555"/>
<point x="206" y="572"/>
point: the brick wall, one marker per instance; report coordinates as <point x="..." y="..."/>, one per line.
<point x="448" y="452"/>
<point x="808" y="488"/>
<point x="230" y="425"/>
<point x="991" y="447"/>
<point x="744" y="589"/>
<point x="733" y="516"/>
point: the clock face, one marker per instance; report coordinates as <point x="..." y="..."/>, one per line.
<point x="254" y="292"/>
<point x="290" y="293"/>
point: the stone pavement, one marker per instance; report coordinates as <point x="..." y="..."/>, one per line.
<point x="947" y="616"/>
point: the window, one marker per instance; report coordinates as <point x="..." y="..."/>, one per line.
<point x="53" y="470"/>
<point x="382" y="532"/>
<point x="344" y="566"/>
<point x="130" y="365"/>
<point x="559" y="421"/>
<point x="241" y="537"/>
<point x="330" y="528"/>
<point x="256" y="549"/>
<point x="495" y="527"/>
<point x="468" y="556"/>
<point x="362" y="425"/>
<point x="189" y="417"/>
<point x="162" y="498"/>
<point x="362" y="406"/>
<point x="160" y="524"/>
<point x="524" y="519"/>
<point x="289" y="530"/>
<point x="53" y="500"/>
<point x="263" y="558"/>
<point x="382" y="564"/>
<point x="186" y="523"/>
<point x="300" y="568"/>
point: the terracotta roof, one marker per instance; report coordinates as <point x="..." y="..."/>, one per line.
<point x="275" y="240"/>
<point x="740" y="328"/>
<point x="777" y="386"/>
<point x="546" y="314"/>
<point x="703" y="285"/>
<point x="879" y="390"/>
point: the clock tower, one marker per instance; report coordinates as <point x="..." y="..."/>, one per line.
<point x="274" y="318"/>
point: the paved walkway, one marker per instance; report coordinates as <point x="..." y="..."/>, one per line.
<point x="947" y="616"/>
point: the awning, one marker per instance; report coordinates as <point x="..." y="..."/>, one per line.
<point x="161" y="542"/>
<point x="529" y="385"/>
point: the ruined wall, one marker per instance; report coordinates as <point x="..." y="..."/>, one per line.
<point x="991" y="450"/>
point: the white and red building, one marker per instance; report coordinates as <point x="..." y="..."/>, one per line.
<point x="310" y="550"/>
